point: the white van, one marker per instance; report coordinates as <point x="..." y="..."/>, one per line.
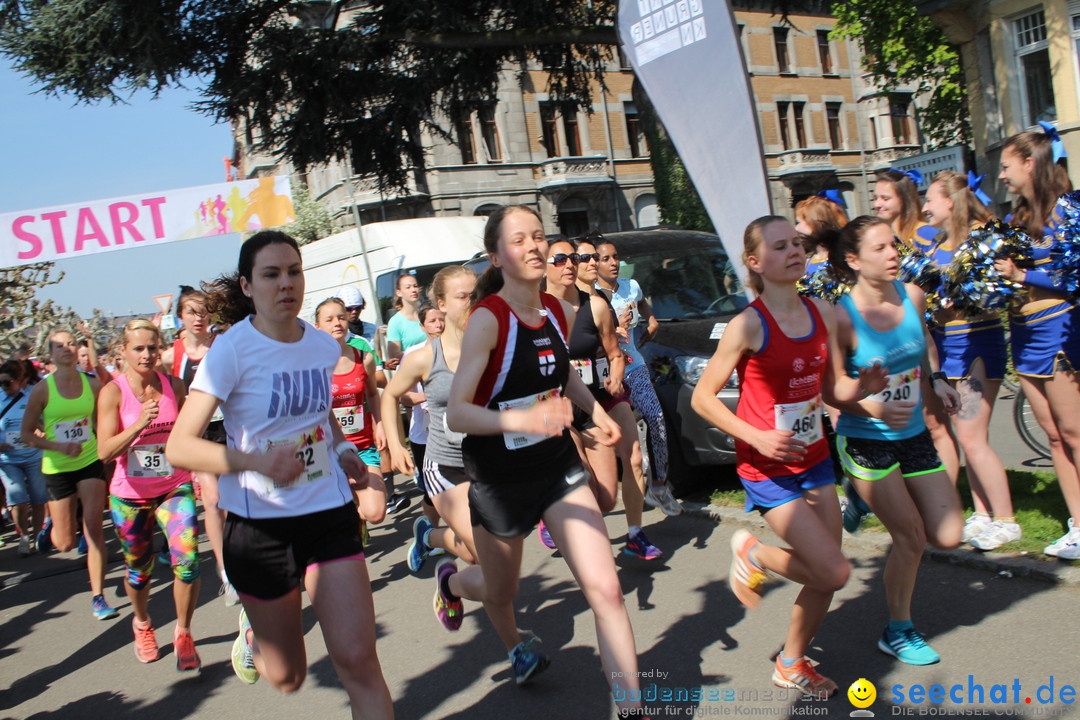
<point x="420" y="247"/>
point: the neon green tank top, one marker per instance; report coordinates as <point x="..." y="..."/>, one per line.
<point x="69" y="421"/>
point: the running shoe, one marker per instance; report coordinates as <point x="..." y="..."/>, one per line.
<point x="545" y="536"/>
<point x="83" y="549"/>
<point x="526" y="663"/>
<point x="997" y="535"/>
<point x="418" y="549"/>
<point x="974" y="526"/>
<point x="804" y="677"/>
<point x="44" y="538"/>
<point x="746" y="579"/>
<point x="187" y="657"/>
<point x="908" y="646"/>
<point x="146" y="648"/>
<point x="852" y="508"/>
<point x="639" y="546"/>
<point x="26" y="547"/>
<point x="101" y="609"/>
<point x="243" y="655"/>
<point x="228" y="591"/>
<point x="397" y="502"/>
<point x="449" y="611"/>
<point x="1066" y="547"/>
<point x="365" y="535"/>
<point x="164" y="556"/>
<point x="659" y="496"/>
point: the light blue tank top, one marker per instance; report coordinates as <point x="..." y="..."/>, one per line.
<point x="901" y="351"/>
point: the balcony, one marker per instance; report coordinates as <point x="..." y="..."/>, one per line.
<point x="365" y="191"/>
<point x="808" y="160"/>
<point x="885" y="158"/>
<point x="564" y="171"/>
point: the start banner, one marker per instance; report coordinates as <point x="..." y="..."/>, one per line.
<point x="68" y="231"/>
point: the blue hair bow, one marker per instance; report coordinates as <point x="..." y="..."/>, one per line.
<point x="833" y="195"/>
<point x="1055" y="140"/>
<point x="973" y="184"/>
<point x="915" y="175"/>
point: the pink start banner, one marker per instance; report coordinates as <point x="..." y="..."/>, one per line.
<point x="68" y="231"/>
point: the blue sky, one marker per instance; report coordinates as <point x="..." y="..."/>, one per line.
<point x="57" y="153"/>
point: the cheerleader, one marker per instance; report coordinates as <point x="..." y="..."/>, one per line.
<point x="896" y="201"/>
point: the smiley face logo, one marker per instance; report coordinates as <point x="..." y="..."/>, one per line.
<point x="862" y="693"/>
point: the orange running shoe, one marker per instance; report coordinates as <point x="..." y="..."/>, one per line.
<point x="803" y="676"/>
<point x="146" y="648"/>
<point x="187" y="657"/>
<point x="747" y="580"/>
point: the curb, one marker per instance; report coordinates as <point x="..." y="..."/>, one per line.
<point x="1055" y="572"/>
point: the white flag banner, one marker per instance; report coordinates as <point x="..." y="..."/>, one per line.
<point x="686" y="55"/>
<point x="67" y="231"/>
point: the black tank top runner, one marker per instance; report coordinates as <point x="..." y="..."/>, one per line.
<point x="586" y="349"/>
<point x="526" y="363"/>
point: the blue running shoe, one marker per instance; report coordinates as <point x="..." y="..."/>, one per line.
<point x="83" y="549"/>
<point x="44" y="538"/>
<point x="418" y="549"/>
<point x="639" y="546"/>
<point x="854" y="508"/>
<point x="526" y="663"/>
<point x="908" y="646"/>
<point x="101" y="609"/>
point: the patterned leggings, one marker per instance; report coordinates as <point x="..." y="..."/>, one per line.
<point x="134" y="523"/>
<point x="643" y="398"/>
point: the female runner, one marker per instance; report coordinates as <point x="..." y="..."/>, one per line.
<point x="403" y="331"/>
<point x="73" y="472"/>
<point x="136" y="412"/>
<point x="356" y="407"/>
<point x="283" y="479"/>
<point x="884" y="444"/>
<point x="1045" y="333"/>
<point x="20" y="466"/>
<point x="599" y="361"/>
<point x="973" y="357"/>
<point x="783" y="346"/>
<point x="182" y="360"/>
<point x="512" y="395"/>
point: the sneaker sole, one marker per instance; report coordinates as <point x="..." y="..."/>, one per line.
<point x="884" y="647"/>
<point x="780" y="681"/>
<point x="631" y="553"/>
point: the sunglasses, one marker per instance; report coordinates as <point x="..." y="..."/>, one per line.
<point x="559" y="259"/>
<point x="350" y="308"/>
<point x="586" y="257"/>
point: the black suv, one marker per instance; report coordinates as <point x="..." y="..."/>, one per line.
<point x="694" y="291"/>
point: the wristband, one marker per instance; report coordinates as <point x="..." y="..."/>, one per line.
<point x="939" y="375"/>
<point x="344" y="446"/>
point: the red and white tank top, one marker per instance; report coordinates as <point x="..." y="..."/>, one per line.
<point x="781" y="389"/>
<point x="350" y="392"/>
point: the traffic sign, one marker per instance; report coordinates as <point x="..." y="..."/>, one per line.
<point x="164" y="303"/>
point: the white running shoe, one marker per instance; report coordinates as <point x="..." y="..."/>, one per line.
<point x="997" y="535"/>
<point x="974" y="526"/>
<point x="1066" y="547"/>
<point x="227" y="589"/>
<point x="659" y="496"/>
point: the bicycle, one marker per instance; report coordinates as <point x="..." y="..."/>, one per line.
<point x="1027" y="426"/>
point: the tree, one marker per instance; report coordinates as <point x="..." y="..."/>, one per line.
<point x="901" y="47"/>
<point x="309" y="92"/>
<point x="312" y="219"/>
<point x="26" y="319"/>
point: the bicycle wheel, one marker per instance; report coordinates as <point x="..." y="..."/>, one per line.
<point x="1030" y="432"/>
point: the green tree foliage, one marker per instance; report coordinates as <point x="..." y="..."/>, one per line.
<point x="902" y="47"/>
<point x="312" y="219"/>
<point x="310" y="92"/>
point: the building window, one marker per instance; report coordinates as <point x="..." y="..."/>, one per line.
<point x="490" y="133"/>
<point x="1033" y="64"/>
<point x="783" y="110"/>
<point x="903" y="125"/>
<point x="465" y="140"/>
<point x="635" y="138"/>
<point x="570" y="129"/>
<point x="824" y="52"/>
<point x="624" y="61"/>
<point x="832" y="118"/>
<point x="548" y="133"/>
<point x="800" y="129"/>
<point x="780" y="41"/>
<point x="873" y="134"/>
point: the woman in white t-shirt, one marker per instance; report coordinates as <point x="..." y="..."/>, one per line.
<point x="283" y="478"/>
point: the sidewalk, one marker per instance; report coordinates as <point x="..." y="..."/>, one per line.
<point x="1058" y="572"/>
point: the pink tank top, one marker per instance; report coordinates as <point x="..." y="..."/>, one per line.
<point x="143" y="473"/>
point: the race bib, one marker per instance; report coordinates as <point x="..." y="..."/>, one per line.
<point x="901" y="387"/>
<point x="73" y="430"/>
<point x="801" y="418"/>
<point x="217" y="416"/>
<point x="516" y="441"/>
<point x="454" y="438"/>
<point x="14" y="439"/>
<point x="351" y="419"/>
<point x="148" y="461"/>
<point x="311" y="449"/>
<point x="603" y="369"/>
<point x="584" y="368"/>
